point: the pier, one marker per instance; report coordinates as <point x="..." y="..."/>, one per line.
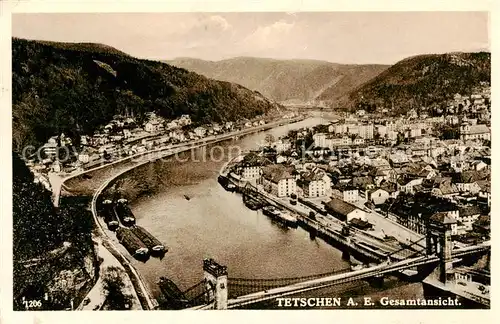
<point x="358" y="243"/>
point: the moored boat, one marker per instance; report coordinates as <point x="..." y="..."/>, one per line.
<point x="124" y="213"/>
<point x="226" y="183"/>
<point x="149" y="240"/>
<point x="288" y="218"/>
<point x="174" y="297"/>
<point x="271" y="211"/>
<point x="355" y="267"/>
<point x="109" y="215"/>
<point x="279" y="215"/>
<point x="132" y="243"/>
<point x="252" y="202"/>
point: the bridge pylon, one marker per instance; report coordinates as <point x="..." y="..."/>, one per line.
<point x="216" y="279"/>
<point x="439" y="242"/>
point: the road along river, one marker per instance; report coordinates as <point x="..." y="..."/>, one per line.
<point x="196" y="218"/>
<point x="214" y="223"/>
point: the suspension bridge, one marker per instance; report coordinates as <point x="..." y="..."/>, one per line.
<point x="245" y="291"/>
<point x="437" y="257"/>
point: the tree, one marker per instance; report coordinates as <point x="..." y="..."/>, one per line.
<point x="270" y="139"/>
<point x="400" y="138"/>
<point x="113" y="286"/>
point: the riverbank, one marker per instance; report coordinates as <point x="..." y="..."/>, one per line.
<point x="135" y="280"/>
<point x="362" y="244"/>
<point x="215" y="223"/>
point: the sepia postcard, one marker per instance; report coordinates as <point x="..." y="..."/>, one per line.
<point x="328" y="160"/>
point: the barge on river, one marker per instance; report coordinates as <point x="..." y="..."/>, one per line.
<point x="151" y="242"/>
<point x="280" y="216"/>
<point x="253" y="203"/>
<point x="124" y="213"/>
<point x="226" y="183"/>
<point x="109" y="215"/>
<point x="132" y="243"/>
<point x="174" y="297"/>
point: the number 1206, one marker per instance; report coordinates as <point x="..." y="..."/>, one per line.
<point x="32" y="303"/>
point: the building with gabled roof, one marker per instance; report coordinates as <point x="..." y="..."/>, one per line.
<point x="467" y="215"/>
<point x="344" y="210"/>
<point x="474" y="132"/>
<point x="313" y="184"/>
<point x="378" y="196"/>
<point x="445" y="218"/>
<point x="279" y="180"/>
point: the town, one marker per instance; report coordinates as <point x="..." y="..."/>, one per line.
<point x="124" y="137"/>
<point x="379" y="173"/>
<point x="373" y="181"/>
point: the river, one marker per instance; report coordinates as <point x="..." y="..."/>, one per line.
<point x="214" y="223"/>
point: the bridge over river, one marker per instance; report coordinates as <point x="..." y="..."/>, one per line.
<point x="226" y="292"/>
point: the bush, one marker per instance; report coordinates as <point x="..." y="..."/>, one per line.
<point x="113" y="287"/>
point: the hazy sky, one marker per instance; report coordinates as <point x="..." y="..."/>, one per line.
<point x="343" y="37"/>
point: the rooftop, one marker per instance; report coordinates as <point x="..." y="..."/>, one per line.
<point x="277" y="172"/>
<point x="341" y="207"/>
<point x="443" y="218"/>
<point x="477" y="129"/>
<point x="469" y="211"/>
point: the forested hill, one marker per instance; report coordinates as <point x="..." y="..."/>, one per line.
<point x="425" y="80"/>
<point x="75" y="88"/>
<point x="51" y="247"/>
<point x="286" y="80"/>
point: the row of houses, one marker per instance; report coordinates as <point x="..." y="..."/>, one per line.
<point x="462" y="217"/>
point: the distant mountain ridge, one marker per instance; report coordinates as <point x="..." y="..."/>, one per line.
<point x="77" y="87"/>
<point x="423" y="80"/>
<point x="285" y="80"/>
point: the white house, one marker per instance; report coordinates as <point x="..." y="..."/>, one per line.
<point x="281" y="159"/>
<point x="350" y="195"/>
<point x="415" y="132"/>
<point x="278" y="180"/>
<point x="319" y="140"/>
<point x="184" y="120"/>
<point x="250" y="172"/>
<point x="200" y="131"/>
<point x="474" y="132"/>
<point x="282" y="146"/>
<point x="479" y="165"/>
<point x="407" y="186"/>
<point x="313" y="184"/>
<point x="361" y="113"/>
<point x="467" y="182"/>
<point x="485" y="192"/>
<point x="126" y="133"/>
<point x="366" y="131"/>
<point x="378" y="196"/>
<point x="359" y="141"/>
<point x="84" y="140"/>
<point x="468" y="215"/>
<point x="84" y="156"/>
<point x="50" y="148"/>
<point x="344" y="211"/>
<point x="471" y="187"/>
<point x="153" y="126"/>
<point x="459" y="163"/>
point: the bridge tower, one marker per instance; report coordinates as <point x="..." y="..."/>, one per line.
<point x="216" y="279"/>
<point x="439" y="228"/>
